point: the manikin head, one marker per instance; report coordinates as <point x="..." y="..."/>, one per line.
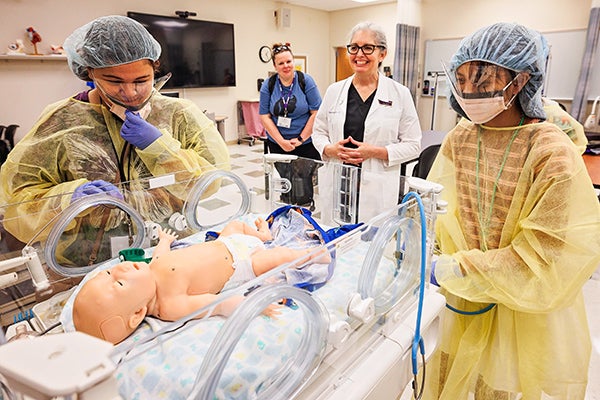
<point x="113" y="303"/>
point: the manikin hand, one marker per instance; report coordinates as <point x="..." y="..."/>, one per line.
<point x="137" y="131"/>
<point x="96" y="187"/>
<point x="167" y="235"/>
<point x="165" y="239"/>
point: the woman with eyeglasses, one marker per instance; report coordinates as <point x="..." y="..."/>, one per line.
<point x="370" y="121"/>
<point x="289" y="101"/>
<point x="121" y="130"/>
<point x="520" y="236"/>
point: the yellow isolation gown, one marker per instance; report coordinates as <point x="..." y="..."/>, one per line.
<point x="74" y="142"/>
<point x="522" y="232"/>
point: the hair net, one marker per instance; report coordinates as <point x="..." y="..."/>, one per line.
<point x="107" y="42"/>
<point x="511" y="46"/>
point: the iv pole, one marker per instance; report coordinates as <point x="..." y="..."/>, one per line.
<point x="435" y="75"/>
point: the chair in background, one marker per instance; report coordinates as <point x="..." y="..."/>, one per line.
<point x="425" y="161"/>
<point x="7" y="140"/>
<point x="9" y="135"/>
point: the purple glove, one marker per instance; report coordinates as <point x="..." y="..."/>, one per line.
<point x="137" y="131"/>
<point x="96" y="187"/>
<point x="432" y="279"/>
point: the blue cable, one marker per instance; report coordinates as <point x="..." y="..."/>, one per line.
<point x="477" y="312"/>
<point x="417" y="340"/>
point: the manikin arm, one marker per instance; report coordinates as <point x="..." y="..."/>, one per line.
<point x="185" y="304"/>
<point x="165" y="238"/>
<point x="180" y="306"/>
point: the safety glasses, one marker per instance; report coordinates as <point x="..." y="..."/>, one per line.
<point x="281" y="48"/>
<point x="477" y="79"/>
<point x="143" y="91"/>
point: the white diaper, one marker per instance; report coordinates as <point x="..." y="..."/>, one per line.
<point x="241" y="248"/>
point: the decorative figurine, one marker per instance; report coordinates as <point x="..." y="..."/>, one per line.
<point x="34" y="38"/>
<point x="16" y="48"/>
<point x="57" y="49"/>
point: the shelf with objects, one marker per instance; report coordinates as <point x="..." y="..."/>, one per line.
<point x="31" y="57"/>
<point x="250" y="128"/>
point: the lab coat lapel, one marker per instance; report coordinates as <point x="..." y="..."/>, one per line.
<point x="383" y="98"/>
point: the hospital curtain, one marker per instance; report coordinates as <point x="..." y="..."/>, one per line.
<point x="579" y="107"/>
<point x="405" y="60"/>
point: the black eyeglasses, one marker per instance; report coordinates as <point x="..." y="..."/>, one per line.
<point x="279" y="49"/>
<point x="366" y="49"/>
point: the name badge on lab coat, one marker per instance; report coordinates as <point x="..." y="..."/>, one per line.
<point x="284" y="122"/>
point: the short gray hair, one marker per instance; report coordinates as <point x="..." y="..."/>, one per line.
<point x="380" y="38"/>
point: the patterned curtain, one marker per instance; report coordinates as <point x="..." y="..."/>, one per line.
<point x="406" y="57"/>
<point x="579" y="107"/>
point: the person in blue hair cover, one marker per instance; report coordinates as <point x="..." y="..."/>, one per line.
<point x="122" y="130"/>
<point x="520" y="238"/>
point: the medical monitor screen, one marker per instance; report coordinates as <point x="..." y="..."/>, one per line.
<point x="197" y="53"/>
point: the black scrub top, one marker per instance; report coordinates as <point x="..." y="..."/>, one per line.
<point x="356" y="114"/>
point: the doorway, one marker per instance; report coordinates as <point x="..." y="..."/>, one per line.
<point x="342" y="66"/>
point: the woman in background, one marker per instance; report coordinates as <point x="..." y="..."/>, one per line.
<point x="289" y="101"/>
<point x="369" y="121"/>
<point x="288" y="106"/>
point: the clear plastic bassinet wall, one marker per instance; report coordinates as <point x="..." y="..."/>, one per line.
<point x="55" y="241"/>
<point x="356" y="291"/>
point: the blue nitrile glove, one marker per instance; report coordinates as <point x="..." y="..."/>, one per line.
<point x="432" y="279"/>
<point x="96" y="187"/>
<point x="137" y="131"/>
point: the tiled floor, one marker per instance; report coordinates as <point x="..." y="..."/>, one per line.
<point x="247" y="163"/>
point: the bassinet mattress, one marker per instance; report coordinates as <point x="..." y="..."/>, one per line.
<point x="167" y="367"/>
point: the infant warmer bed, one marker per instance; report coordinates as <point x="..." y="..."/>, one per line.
<point x="362" y="319"/>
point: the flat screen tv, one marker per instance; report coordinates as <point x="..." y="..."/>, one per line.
<point x="197" y="53"/>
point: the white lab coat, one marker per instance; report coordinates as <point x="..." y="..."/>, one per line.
<point x="392" y="122"/>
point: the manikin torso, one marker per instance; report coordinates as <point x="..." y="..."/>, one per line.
<point x="198" y="269"/>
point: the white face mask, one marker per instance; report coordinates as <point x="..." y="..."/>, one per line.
<point x="483" y="109"/>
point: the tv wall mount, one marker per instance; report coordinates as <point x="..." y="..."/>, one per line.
<point x="185" y="14"/>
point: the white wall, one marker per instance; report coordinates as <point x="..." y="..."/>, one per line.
<point x="444" y="19"/>
<point x="27" y="86"/>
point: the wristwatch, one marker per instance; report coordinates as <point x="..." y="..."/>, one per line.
<point x="299" y="137"/>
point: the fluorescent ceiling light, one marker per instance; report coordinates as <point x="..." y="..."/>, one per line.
<point x="363" y="1"/>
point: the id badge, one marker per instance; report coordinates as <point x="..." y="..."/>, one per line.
<point x="284" y="122"/>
